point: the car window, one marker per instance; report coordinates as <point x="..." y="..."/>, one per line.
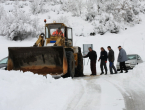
<point x="138" y="57"/>
<point x="4" y="61"/>
<point x="131" y="57"/>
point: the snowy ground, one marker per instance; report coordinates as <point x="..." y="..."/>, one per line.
<point x="26" y="91"/>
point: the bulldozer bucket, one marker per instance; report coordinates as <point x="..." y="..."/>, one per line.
<point x="39" y="60"/>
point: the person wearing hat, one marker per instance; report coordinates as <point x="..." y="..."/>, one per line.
<point x="58" y="32"/>
<point x="122" y="57"/>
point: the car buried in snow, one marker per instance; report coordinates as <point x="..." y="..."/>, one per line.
<point x="133" y="60"/>
<point x="3" y="63"/>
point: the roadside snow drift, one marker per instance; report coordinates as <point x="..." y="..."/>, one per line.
<point x="26" y="91"/>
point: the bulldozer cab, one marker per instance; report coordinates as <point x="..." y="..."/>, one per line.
<point x="55" y="30"/>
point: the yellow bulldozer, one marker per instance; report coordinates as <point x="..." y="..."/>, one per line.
<point x="53" y="53"/>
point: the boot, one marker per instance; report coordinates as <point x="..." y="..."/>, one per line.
<point x="126" y="72"/>
<point x="121" y="72"/>
<point x="92" y="74"/>
<point x="102" y="73"/>
<point x="115" y="73"/>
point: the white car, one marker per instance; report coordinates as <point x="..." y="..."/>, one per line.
<point x="133" y="60"/>
<point x="3" y="63"/>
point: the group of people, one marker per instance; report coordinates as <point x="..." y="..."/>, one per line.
<point x="122" y="57"/>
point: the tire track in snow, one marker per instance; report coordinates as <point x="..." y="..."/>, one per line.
<point x="106" y="100"/>
<point x="129" y="102"/>
<point x="133" y="97"/>
<point x="88" y="98"/>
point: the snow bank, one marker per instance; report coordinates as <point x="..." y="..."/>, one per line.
<point x="136" y="78"/>
<point x="26" y="91"/>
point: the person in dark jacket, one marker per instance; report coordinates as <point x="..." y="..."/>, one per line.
<point x="122" y="57"/>
<point x="93" y="57"/>
<point x="111" y="59"/>
<point x="103" y="58"/>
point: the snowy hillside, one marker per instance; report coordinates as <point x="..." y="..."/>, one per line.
<point x="26" y="91"/>
<point x="99" y="16"/>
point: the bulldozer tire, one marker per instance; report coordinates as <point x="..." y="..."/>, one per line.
<point x="71" y="64"/>
<point x="79" y="68"/>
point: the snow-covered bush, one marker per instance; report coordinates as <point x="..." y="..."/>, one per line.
<point x="18" y="25"/>
<point x="73" y="6"/>
<point x="2" y="11"/>
<point x="101" y="29"/>
<point x="106" y="23"/>
<point x="25" y="4"/>
<point x="113" y="27"/>
<point x="142" y="9"/>
<point x="118" y="13"/>
<point x="89" y="6"/>
<point x="21" y="6"/>
<point x="68" y="5"/>
<point x="53" y="2"/>
<point x="2" y="1"/>
<point x="36" y="6"/>
<point x="90" y="16"/>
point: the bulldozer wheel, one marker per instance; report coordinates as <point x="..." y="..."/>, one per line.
<point x="79" y="68"/>
<point x="71" y="64"/>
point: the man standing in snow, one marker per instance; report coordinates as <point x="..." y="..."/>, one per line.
<point x="122" y="57"/>
<point x="103" y="58"/>
<point x="111" y="59"/>
<point x="93" y="57"/>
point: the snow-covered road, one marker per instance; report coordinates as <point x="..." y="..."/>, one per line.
<point x="105" y="93"/>
<point x="98" y="95"/>
<point x="88" y="98"/>
<point x="26" y="91"/>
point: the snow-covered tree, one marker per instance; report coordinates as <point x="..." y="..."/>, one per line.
<point x="18" y="25"/>
<point x="73" y="6"/>
<point x="36" y="6"/>
<point x="118" y="13"/>
<point x="90" y="9"/>
<point x="2" y="11"/>
<point x="80" y="6"/>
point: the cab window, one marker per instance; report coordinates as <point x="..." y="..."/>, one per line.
<point x="69" y="31"/>
<point x="56" y="31"/>
<point x="47" y="33"/>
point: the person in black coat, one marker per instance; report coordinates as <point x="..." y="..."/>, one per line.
<point x="93" y="57"/>
<point x="111" y="60"/>
<point x="103" y="58"/>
